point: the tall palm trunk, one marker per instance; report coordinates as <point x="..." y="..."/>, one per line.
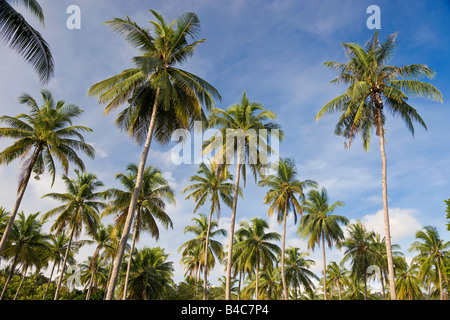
<point x="49" y="280"/>
<point x="10" y="275"/>
<point x="283" y="244"/>
<point x="385" y="205"/>
<point x="441" y="289"/>
<point x="94" y="269"/>
<point x="133" y="243"/>
<point x="23" y="186"/>
<point x="206" y="255"/>
<point x="58" y="287"/>
<point x="324" y="268"/>
<point x="24" y="272"/>
<point x="233" y="219"/>
<point x="257" y="275"/>
<point x="339" y="289"/>
<point x="133" y="202"/>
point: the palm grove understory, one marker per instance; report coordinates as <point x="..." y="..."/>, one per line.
<point x="154" y="97"/>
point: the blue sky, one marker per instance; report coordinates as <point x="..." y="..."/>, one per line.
<point x="273" y="50"/>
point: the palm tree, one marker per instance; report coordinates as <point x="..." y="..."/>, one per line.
<point x="102" y="237"/>
<point x="55" y="252"/>
<point x="44" y="135"/>
<point x="161" y="96"/>
<point x="379" y="245"/>
<point x="204" y="230"/>
<point x="374" y="87"/>
<point x="407" y="284"/>
<point x="192" y="261"/>
<point x="155" y="192"/>
<point x="297" y="270"/>
<point x="319" y="224"/>
<point x="361" y="249"/>
<point x="335" y="274"/>
<point x="209" y="182"/>
<point x="256" y="249"/>
<point x="284" y="187"/>
<point x="24" y="246"/>
<point x="27" y="41"/>
<point x="81" y="208"/>
<point x="433" y="253"/>
<point x="244" y="120"/>
<point x="150" y="274"/>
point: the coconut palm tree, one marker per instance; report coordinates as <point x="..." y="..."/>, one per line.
<point x="360" y="247"/>
<point x="297" y="270"/>
<point x="319" y="224"/>
<point x="335" y="275"/>
<point x="82" y="203"/>
<point x="257" y="249"/>
<point x="25" y="245"/>
<point x="204" y="230"/>
<point x="23" y="38"/>
<point x="210" y="183"/>
<point x="55" y="251"/>
<point x="42" y="137"/>
<point x="407" y="284"/>
<point x="433" y="253"/>
<point x="162" y="97"/>
<point x="375" y="87"/>
<point x="102" y="237"/>
<point x="150" y="274"/>
<point x="284" y="188"/>
<point x="154" y="194"/>
<point x="243" y="121"/>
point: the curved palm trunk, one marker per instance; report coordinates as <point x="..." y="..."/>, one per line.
<point x="21" y="282"/>
<point x="133" y="202"/>
<point x="205" y="281"/>
<point x="233" y="219"/>
<point x="324" y="269"/>
<point x="49" y="280"/>
<point x="10" y="275"/>
<point x="58" y="287"/>
<point x="94" y="269"/>
<point x="385" y="210"/>
<point x="283" y="244"/>
<point x="133" y="243"/>
<point x="21" y="192"/>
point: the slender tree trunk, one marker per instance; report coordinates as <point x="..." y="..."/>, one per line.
<point x="339" y="290"/>
<point x="58" y="287"/>
<point x="257" y="276"/>
<point x="382" y="284"/>
<point x="441" y="289"/>
<point x="49" y="280"/>
<point x="385" y="210"/>
<point x="324" y="269"/>
<point x="233" y="219"/>
<point x="133" y="243"/>
<point x="133" y="202"/>
<point x="94" y="269"/>
<point x="10" y="275"/>
<point x="21" y="192"/>
<point x="21" y="282"/>
<point x="239" y="286"/>
<point x="206" y="255"/>
<point x="107" y="281"/>
<point x="365" y="285"/>
<point x="283" y="245"/>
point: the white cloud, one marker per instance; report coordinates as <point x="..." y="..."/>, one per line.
<point x="403" y="222"/>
